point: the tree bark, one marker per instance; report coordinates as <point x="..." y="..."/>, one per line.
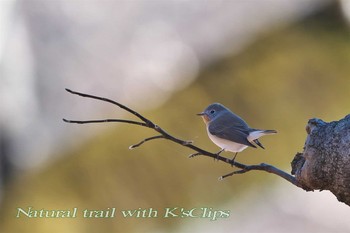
<point x="325" y="161"/>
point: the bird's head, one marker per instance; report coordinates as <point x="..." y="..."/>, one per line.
<point x="211" y="112"/>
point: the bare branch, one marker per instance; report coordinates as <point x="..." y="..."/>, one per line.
<point x="148" y="122"/>
<point x="189" y="144"/>
<point x="145" y="140"/>
<point x="106" y="120"/>
<point x="270" y="169"/>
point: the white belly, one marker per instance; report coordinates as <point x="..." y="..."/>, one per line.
<point x="226" y="144"/>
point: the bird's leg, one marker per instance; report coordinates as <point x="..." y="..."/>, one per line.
<point x="218" y="154"/>
<point x="233" y="159"/>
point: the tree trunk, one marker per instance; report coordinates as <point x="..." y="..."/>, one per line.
<point x="325" y="161"/>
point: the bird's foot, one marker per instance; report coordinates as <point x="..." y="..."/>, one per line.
<point x="218" y="154"/>
<point x="233" y="159"/>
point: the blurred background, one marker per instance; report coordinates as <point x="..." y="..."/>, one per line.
<point x="276" y="63"/>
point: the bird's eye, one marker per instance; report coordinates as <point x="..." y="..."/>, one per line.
<point x="212" y="111"/>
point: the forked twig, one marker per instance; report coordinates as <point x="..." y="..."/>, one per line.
<point x="164" y="135"/>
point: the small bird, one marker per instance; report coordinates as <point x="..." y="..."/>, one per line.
<point x="229" y="131"/>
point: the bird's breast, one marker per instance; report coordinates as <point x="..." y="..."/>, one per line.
<point x="205" y="119"/>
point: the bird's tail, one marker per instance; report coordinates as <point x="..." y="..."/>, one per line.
<point x="269" y="131"/>
<point x="257" y="133"/>
<point x="254" y="135"/>
<point x="259" y="143"/>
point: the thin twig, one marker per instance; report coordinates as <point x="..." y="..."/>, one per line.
<point x="194" y="155"/>
<point x="106" y="120"/>
<point x="267" y="168"/>
<point x="199" y="151"/>
<point x="145" y="140"/>
<point x="148" y="122"/>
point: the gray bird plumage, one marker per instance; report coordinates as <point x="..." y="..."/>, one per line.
<point x="229" y="131"/>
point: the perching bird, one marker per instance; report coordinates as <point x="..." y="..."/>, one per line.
<point x="229" y="131"/>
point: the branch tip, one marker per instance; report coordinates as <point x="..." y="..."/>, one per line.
<point x="194" y="155"/>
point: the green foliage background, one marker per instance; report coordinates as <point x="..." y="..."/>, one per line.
<point x="279" y="82"/>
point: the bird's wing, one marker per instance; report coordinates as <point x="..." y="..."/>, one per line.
<point x="236" y="132"/>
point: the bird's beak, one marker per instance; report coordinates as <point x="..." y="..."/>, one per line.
<point x="204" y="116"/>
